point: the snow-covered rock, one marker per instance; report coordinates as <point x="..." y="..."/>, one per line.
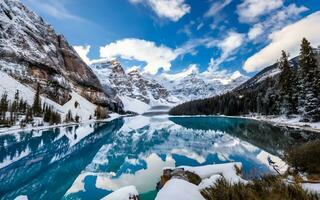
<point x="227" y="170"/>
<point x="125" y="193"/>
<point x="179" y="190"/>
<point x="137" y="92"/>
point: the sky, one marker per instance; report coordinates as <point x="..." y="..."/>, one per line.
<point x="170" y="36"/>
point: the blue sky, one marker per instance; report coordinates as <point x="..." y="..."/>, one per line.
<point x="170" y="35"/>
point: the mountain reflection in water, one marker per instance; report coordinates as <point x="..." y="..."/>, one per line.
<point x="92" y="160"/>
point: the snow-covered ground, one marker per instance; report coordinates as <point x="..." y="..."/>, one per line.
<point x="134" y="105"/>
<point x="282" y="120"/>
<point x="179" y="190"/>
<point x="10" y="85"/>
<point x="311" y="187"/>
<point x="182" y="190"/>
<point x="125" y="193"/>
<point x="84" y="110"/>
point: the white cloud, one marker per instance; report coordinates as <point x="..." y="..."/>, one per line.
<point x="231" y="42"/>
<point x="83" y="52"/>
<point x="217" y="7"/>
<point x="251" y="10"/>
<point x="156" y="57"/>
<point x="276" y="21"/>
<point x="212" y="66"/>
<point x="228" y="46"/>
<point x="287" y="39"/>
<point x="255" y="31"/>
<point x="171" y="9"/>
<point x="190" y="46"/>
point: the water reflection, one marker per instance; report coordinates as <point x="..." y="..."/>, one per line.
<point x="90" y="161"/>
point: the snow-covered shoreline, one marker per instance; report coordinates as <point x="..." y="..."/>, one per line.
<point x="286" y="122"/>
<point x="14" y="129"/>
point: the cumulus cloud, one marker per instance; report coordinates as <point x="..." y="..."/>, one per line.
<point x="251" y="10"/>
<point x="171" y="9"/>
<point x="156" y="57"/>
<point x="83" y="52"/>
<point x="287" y="39"/>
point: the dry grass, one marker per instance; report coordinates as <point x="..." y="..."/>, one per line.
<point x="267" y="188"/>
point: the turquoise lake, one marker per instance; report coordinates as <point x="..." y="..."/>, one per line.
<point x="90" y="161"/>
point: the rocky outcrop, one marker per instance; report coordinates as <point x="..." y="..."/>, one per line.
<point x="32" y="52"/>
<point x="178" y="173"/>
<point x="132" y="84"/>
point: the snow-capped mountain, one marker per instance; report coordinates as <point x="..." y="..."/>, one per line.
<point x="131" y="87"/>
<point x="191" y="84"/>
<point x="32" y="53"/>
<point x="165" y="88"/>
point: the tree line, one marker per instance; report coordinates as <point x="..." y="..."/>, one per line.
<point x="296" y="90"/>
<point x="18" y="110"/>
<point x="11" y="110"/>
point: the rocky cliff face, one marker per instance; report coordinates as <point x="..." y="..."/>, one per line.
<point x="32" y="52"/>
<point x="132" y="84"/>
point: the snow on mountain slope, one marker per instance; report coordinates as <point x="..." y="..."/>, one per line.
<point x="10" y="85"/>
<point x="272" y="71"/>
<point x="143" y="89"/>
<point x="137" y="91"/>
<point x="191" y="84"/>
<point x="32" y="52"/>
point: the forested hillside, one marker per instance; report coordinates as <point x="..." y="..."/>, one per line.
<point x="294" y="90"/>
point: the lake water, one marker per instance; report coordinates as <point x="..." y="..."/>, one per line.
<point x="92" y="160"/>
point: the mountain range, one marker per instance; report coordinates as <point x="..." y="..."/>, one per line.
<point x="32" y="54"/>
<point x="163" y="89"/>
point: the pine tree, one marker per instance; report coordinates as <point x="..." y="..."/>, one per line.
<point x="37" y="102"/>
<point x="285" y="82"/>
<point x="22" y="106"/>
<point x="15" y="106"/>
<point x="29" y="115"/>
<point x="69" y="117"/>
<point x="47" y="114"/>
<point x="308" y="100"/>
<point x="4" y="104"/>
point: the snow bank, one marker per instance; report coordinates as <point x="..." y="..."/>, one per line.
<point x="227" y="170"/>
<point x="178" y="189"/>
<point x="206" y="183"/>
<point x="134" y="105"/>
<point x="279" y="164"/>
<point x="21" y="197"/>
<point x="294" y="122"/>
<point x="311" y="187"/>
<point x="124" y="193"/>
